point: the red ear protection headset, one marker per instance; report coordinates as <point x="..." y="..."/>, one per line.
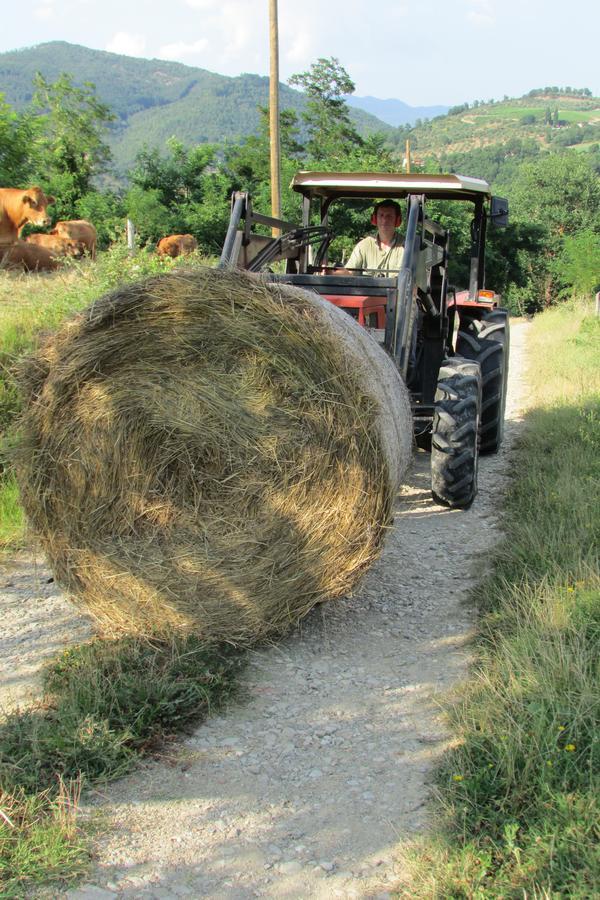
<point x="395" y="205"/>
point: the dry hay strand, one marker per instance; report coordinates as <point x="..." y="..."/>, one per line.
<point x="198" y="453"/>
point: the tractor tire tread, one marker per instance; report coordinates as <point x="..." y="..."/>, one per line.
<point x="454" y="439"/>
<point x="486" y="341"/>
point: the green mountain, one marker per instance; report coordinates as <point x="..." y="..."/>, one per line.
<point x="550" y="118"/>
<point x="154" y="99"/>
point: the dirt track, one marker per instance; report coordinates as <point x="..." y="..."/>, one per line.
<point x="309" y="787"/>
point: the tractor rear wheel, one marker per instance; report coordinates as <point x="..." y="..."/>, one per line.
<point x="486" y="341"/>
<point x="455" y="433"/>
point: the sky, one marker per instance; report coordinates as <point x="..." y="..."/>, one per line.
<point x="424" y="53"/>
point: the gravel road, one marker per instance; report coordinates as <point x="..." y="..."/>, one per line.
<point x="310" y="786"/>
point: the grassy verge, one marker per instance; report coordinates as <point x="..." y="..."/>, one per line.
<point x="520" y="794"/>
<point x="33" y="304"/>
<point x="105" y="704"/>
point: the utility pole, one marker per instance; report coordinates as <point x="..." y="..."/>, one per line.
<point x="274" y="115"/>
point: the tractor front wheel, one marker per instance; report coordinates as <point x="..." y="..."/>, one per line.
<point x="455" y="433"/>
<point x="486" y="341"/>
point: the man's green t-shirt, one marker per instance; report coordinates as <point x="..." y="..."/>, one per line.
<point x="369" y="254"/>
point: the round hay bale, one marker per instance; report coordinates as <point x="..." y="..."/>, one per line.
<point x="207" y="451"/>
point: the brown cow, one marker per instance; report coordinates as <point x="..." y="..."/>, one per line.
<point x="177" y="245"/>
<point x="58" y="246"/>
<point x="78" y="230"/>
<point x="18" y="207"/>
<point x="30" y="257"/>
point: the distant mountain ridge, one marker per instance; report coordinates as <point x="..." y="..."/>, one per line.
<point x="155" y="99"/>
<point x="395" y="112"/>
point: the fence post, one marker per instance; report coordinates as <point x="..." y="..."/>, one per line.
<point x="130" y="236"/>
<point x="598" y="303"/>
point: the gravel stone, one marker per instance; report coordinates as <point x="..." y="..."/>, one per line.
<point x="291" y="867"/>
<point x="90" y="892"/>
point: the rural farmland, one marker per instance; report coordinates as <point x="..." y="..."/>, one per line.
<point x="298" y="509"/>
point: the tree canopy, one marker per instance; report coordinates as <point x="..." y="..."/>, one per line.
<point x="18" y="132"/>
<point x="327" y="116"/>
<point x="72" y="124"/>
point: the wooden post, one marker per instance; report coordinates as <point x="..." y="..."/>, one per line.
<point x="408" y="157"/>
<point x="598" y="303"/>
<point x="274" y="116"/>
<point x="130" y="236"/>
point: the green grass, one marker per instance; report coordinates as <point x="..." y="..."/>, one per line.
<point x="39" y="840"/>
<point x="517" y="112"/>
<point x="520" y="793"/>
<point x="12" y="520"/>
<point x="105" y="704"/>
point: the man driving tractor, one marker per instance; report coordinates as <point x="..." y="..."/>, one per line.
<point x="383" y="252"/>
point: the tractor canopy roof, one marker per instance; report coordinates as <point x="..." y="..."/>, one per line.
<point x="372" y="185"/>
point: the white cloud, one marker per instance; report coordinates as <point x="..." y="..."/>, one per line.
<point x="181" y="49"/>
<point x="480" y="20"/>
<point x="127" y="44"/>
<point x="482" y="15"/>
<point x="234" y="37"/>
<point x="45" y="10"/>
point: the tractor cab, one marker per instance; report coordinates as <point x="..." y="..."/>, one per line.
<point x="420" y="319"/>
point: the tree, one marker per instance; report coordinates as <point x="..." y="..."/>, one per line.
<point x="560" y="194"/>
<point x="147" y="211"/>
<point x="248" y="164"/>
<point x="327" y="115"/>
<point x="72" y="123"/>
<point x="177" y="175"/>
<point x="183" y="191"/>
<point x="579" y="262"/>
<point x="105" y="209"/>
<point x="17" y="146"/>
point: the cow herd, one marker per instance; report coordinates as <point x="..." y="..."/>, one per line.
<point x="38" y="252"/>
<point x="43" y="251"/>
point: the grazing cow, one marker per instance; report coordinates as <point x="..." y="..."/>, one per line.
<point x="177" y="245"/>
<point x="58" y="246"/>
<point x="78" y="230"/>
<point x="18" y="207"/>
<point x="30" y="257"/>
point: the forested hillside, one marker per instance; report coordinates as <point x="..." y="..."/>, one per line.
<point x="154" y="100"/>
<point x="551" y="117"/>
<point x="166" y="145"/>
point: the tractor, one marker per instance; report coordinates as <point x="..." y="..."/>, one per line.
<point x="450" y="346"/>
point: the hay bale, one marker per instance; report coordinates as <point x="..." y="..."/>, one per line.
<point x="205" y="451"/>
